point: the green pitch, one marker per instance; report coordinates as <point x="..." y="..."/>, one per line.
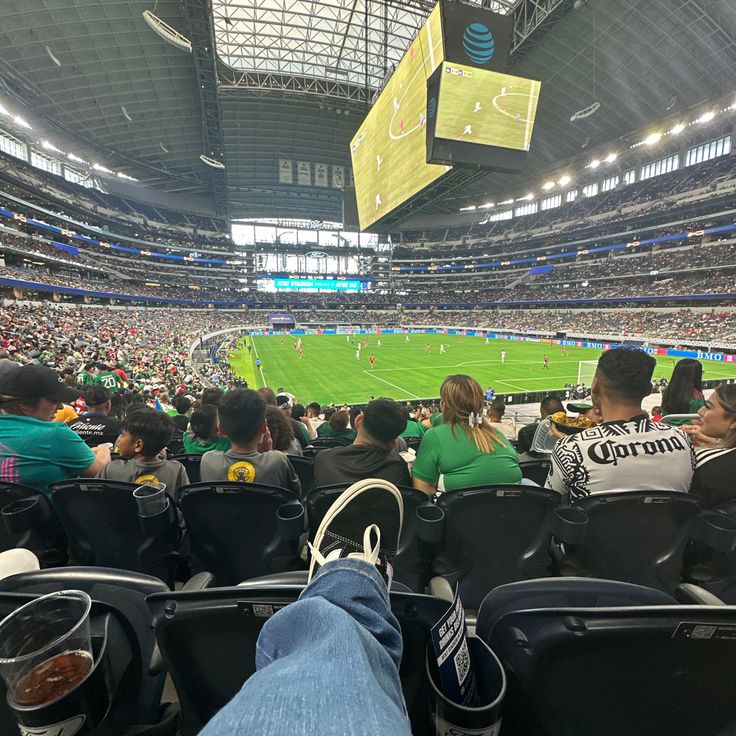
<point x="479" y="106"/>
<point x="329" y="371"/>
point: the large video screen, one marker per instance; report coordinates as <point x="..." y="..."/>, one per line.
<point x="389" y="150"/>
<point x="485" y="107"/>
<point x="295" y="284"/>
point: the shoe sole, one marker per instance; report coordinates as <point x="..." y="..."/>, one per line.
<point x="343" y="500"/>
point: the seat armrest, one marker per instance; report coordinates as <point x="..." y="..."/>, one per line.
<point x="689" y="593"/>
<point x="440" y="588"/>
<point x="200" y="581"/>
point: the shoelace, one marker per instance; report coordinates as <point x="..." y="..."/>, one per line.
<point x="369" y="554"/>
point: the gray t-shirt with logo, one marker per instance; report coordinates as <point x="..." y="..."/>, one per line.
<point x="170" y="472"/>
<point x="270" y="468"/>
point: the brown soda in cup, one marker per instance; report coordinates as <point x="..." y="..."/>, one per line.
<point x="53" y="678"/>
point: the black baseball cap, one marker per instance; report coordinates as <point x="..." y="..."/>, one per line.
<point x="36" y="382"/>
<point x="97" y="395"/>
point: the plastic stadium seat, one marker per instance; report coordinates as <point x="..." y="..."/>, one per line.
<point x="633" y="536"/>
<point x="242" y="530"/>
<point x="324" y="442"/>
<point x="33" y="524"/>
<point x="191" y="464"/>
<point x="126" y="592"/>
<point x="494" y="535"/>
<point x="304" y="468"/>
<point x="536" y="470"/>
<point x="104" y="529"/>
<point x="208" y="641"/>
<point x="600" y="658"/>
<point x="410" y="564"/>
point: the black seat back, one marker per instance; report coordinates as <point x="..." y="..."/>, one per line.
<point x="46" y="540"/>
<point x="413" y="443"/>
<point x="208" y="640"/>
<point x="639" y="671"/>
<point x="191" y="464"/>
<point x="535" y="470"/>
<point x="234" y="529"/>
<point x="494" y="535"/>
<point x="104" y="529"/>
<point x="323" y="442"/>
<point x="124" y="591"/>
<point x="634" y="536"/>
<point x="304" y="468"/>
<point x="411" y="563"/>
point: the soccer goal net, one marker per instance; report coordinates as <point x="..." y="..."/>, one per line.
<point x="586" y="371"/>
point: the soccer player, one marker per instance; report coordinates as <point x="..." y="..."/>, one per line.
<point x="564" y="349"/>
<point x="258" y="363"/>
<point x="372" y="360"/>
<point x="546" y="363"/>
<point x="489" y="394"/>
<point x="301" y="353"/>
<point x="427" y="348"/>
<point x="357" y="354"/>
<point x="487" y="341"/>
<point x="468" y="130"/>
<point x="477" y="107"/>
<point x="407" y="338"/>
<point x="442" y="349"/>
<point x="503" y="357"/>
<point x="379" y="343"/>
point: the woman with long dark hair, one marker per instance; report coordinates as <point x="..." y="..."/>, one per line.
<point x="715" y="442"/>
<point x="464" y="448"/>
<point x="684" y="393"/>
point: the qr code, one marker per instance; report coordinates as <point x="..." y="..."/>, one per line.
<point x="262" y="610"/>
<point x="462" y="662"/>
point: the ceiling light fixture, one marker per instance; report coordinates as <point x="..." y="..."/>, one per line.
<point x="675" y="130"/>
<point x="166" y="32"/>
<point x="651" y="139"/>
<point x="214" y="163"/>
<point x="564" y="180"/>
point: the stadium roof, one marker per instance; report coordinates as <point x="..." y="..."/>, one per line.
<point x="291" y="79"/>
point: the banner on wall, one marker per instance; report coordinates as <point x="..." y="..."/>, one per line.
<point x="338" y="177"/>
<point x="286" y="171"/>
<point x="304" y="173"/>
<point x="320" y="175"/>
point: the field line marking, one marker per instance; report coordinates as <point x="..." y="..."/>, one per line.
<point x="428" y="26"/>
<point x="514" y="385"/>
<point x="371" y="373"/>
<point x="255" y="350"/>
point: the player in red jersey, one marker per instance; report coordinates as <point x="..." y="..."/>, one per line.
<point x="546" y="363"/>
<point x="372" y="360"/>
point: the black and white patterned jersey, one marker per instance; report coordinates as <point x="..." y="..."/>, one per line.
<point x="634" y="455"/>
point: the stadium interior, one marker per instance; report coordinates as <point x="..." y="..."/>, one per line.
<point x="252" y="271"/>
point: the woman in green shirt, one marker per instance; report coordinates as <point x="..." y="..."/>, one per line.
<point x="684" y="393"/>
<point x="337" y="426"/>
<point x="464" y="448"/>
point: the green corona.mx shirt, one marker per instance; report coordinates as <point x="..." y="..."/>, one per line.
<point x="456" y="457"/>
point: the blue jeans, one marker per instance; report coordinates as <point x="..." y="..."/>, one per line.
<point x="327" y="664"/>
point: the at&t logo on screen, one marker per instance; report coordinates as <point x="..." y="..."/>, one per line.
<point x="478" y="43"/>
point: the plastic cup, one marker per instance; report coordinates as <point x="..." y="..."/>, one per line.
<point x="45" y="647"/>
<point x="151" y="499"/>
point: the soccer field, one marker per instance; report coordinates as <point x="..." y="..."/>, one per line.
<point x="329" y="371"/>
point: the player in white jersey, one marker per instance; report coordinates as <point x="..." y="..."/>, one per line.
<point x="357" y="354"/>
<point x="503" y="357"/>
<point x="442" y="349"/>
<point x="407" y="339"/>
<point x="379" y="343"/>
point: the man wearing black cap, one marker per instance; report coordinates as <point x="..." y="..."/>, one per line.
<point x="95" y="427"/>
<point x="34" y="450"/>
<point x="627" y="451"/>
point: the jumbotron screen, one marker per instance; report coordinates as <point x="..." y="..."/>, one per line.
<point x="389" y="149"/>
<point x="485" y="107"/>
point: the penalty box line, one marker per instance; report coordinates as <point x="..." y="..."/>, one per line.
<point x="383" y="380"/>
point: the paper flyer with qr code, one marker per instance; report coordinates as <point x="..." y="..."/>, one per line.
<point x="450" y="640"/>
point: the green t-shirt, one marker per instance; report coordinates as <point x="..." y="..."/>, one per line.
<point x="695" y="406"/>
<point x="459" y="460"/>
<point x="111" y="381"/>
<point x="325" y="430"/>
<point x="38" y="453"/>
<point x="413" y="429"/>
<point x="85" y="379"/>
<point x="436" y="419"/>
<point x="194" y="445"/>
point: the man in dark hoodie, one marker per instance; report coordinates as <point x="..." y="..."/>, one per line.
<point x="372" y="453"/>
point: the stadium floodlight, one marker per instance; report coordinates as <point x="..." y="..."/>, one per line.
<point x="98" y="167"/>
<point x="594" y="164"/>
<point x="611" y="158"/>
<point x="507" y="201"/>
<point x="706" y="117"/>
<point x="72" y="157"/>
<point x="167" y="32"/>
<point x="48" y="146"/>
<point x="651" y="139"/>
<point x="675" y="130"/>
<point x="4" y="110"/>
<point x="21" y="122"/>
<point x="564" y="180"/>
<point x="487" y="205"/>
<point x="214" y="163"/>
<point x="470" y="208"/>
<point x="548" y="185"/>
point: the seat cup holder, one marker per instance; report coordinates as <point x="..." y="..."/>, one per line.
<point x="25" y="514"/>
<point x="715" y="530"/>
<point x="569" y="523"/>
<point x="430" y="523"/>
<point x="290" y="518"/>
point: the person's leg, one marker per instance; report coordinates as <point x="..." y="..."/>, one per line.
<point x="328" y="663"/>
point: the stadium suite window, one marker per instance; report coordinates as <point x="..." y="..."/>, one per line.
<point x="526" y="209"/>
<point x="707" y="151"/>
<point x="662" y="166"/>
<point x="45" y="163"/>
<point x="12" y="146"/>
<point x="590" y="190"/>
<point x="630" y="176"/>
<point x="571" y="196"/>
<point x="609" y="183"/>
<point x="497" y="216"/>
<point x="549" y="202"/>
